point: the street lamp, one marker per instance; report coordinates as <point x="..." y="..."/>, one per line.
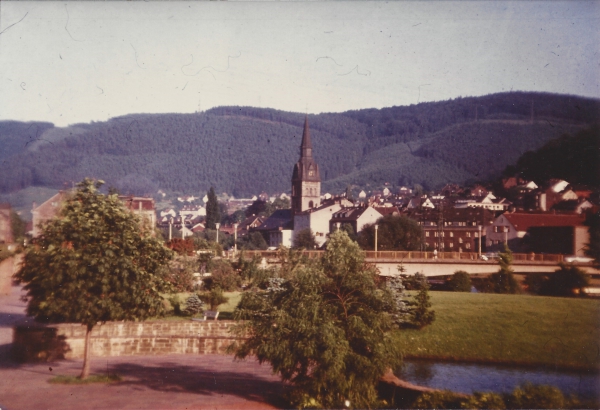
<point x="235" y="238"/>
<point x="170" y="228"/>
<point x="479" y="227"/>
<point x="218" y="225"/>
<point x="376" y="228"/>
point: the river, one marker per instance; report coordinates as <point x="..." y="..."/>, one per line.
<point x="468" y="378"/>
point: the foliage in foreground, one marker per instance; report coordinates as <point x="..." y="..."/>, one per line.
<point x="94" y="264"/>
<point x="528" y="396"/>
<point x="326" y="329"/>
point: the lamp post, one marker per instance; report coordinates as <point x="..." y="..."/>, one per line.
<point x="235" y="238"/>
<point x="376" y="229"/>
<point x="506" y="235"/>
<point x="170" y="229"/>
<point x="218" y="225"/>
<point x="479" y="253"/>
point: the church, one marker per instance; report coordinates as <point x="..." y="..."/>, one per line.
<point x="307" y="211"/>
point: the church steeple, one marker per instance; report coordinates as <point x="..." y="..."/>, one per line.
<point x="306" y="146"/>
<point x="306" y="179"/>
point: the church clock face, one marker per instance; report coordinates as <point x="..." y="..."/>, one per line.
<point x="311" y="173"/>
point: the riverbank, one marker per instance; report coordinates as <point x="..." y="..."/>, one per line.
<point x="509" y="329"/>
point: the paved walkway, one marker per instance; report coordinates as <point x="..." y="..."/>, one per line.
<point x="150" y="382"/>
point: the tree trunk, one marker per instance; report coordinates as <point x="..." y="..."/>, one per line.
<point x="85" y="372"/>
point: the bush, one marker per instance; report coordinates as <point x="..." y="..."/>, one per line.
<point x="193" y="305"/>
<point x="214" y="298"/>
<point x="175" y="304"/>
<point x="460" y="282"/>
<point x="180" y="273"/>
<point x="528" y="396"/>
<point x="444" y="399"/>
<point x="532" y="396"/>
<point x="222" y="276"/>
<point x="564" y="281"/>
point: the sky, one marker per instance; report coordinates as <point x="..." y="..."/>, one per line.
<point x="73" y="62"/>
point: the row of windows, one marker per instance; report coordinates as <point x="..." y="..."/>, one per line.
<point x="450" y="234"/>
<point x="450" y="245"/>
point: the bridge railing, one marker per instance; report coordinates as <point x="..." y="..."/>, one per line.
<point x="407" y="255"/>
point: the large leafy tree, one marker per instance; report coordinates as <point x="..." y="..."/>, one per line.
<point x="326" y="329"/>
<point x="94" y="263"/>
<point x="213" y="213"/>
<point x="394" y="233"/>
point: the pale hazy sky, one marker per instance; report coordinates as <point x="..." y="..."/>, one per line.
<point x="69" y="62"/>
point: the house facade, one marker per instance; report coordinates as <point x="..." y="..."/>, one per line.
<point x="511" y="229"/>
<point x="356" y="217"/>
<point x="6" y="234"/>
<point x="46" y="211"/>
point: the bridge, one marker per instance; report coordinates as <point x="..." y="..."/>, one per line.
<point x="442" y="263"/>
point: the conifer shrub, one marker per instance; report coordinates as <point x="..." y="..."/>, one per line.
<point x="193" y="305"/>
<point x="421" y="313"/>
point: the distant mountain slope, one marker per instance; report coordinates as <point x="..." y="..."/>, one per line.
<point x="245" y="150"/>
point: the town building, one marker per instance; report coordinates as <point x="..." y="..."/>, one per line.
<point x="6" y="234"/>
<point x="543" y="228"/>
<point x="356" y="217"/>
<point x="454" y="229"/>
<point x="46" y="211"/>
<point x="141" y="206"/>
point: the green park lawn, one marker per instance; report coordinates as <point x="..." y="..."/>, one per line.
<point x="562" y="332"/>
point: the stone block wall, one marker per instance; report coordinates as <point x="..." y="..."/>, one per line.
<point x="36" y="342"/>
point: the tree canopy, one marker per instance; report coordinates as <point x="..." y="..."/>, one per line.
<point x="326" y="329"/>
<point x="395" y="233"/>
<point x="213" y="213"/>
<point x="94" y="264"/>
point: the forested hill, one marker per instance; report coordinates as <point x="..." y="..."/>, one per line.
<point x="244" y="150"/>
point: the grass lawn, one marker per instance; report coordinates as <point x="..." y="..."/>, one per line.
<point x="523" y="329"/>
<point x="94" y="378"/>
<point x="226" y="308"/>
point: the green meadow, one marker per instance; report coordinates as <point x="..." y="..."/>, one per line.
<point x="518" y="329"/>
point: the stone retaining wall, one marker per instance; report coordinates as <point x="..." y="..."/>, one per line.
<point x="36" y="342"/>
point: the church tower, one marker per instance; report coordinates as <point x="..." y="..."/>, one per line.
<point x="306" y="180"/>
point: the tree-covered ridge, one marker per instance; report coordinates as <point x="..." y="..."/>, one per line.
<point x="245" y="150"/>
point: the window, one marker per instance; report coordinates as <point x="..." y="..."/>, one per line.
<point x="436" y="234"/>
<point x="468" y="246"/>
<point x="468" y="234"/>
<point x="426" y="234"/>
<point x="450" y="245"/>
<point x="443" y="234"/>
<point x="452" y="234"/>
<point x="477" y="234"/>
<point x="460" y="240"/>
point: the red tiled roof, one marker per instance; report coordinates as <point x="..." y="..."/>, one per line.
<point x="385" y="210"/>
<point x="523" y="221"/>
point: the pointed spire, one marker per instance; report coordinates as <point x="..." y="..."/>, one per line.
<point x="306" y="147"/>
